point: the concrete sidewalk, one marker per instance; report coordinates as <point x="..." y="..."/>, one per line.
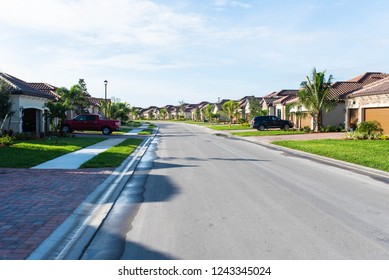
<point x="76" y="159"/>
<point x="137" y="130"/>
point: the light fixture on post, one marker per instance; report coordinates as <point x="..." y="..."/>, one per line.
<point x="105" y="98"/>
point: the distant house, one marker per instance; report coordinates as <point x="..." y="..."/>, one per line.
<point x="28" y="105"/>
<point x="276" y="103"/>
<point x="371" y="102"/>
<point x="199" y="109"/>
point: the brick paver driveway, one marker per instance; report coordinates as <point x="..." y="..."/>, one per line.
<point x="33" y="203"/>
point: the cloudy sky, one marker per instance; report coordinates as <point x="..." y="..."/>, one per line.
<point x="159" y="52"/>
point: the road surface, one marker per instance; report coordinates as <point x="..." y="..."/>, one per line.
<point x="203" y="196"/>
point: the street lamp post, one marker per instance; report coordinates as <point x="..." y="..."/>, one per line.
<point x="105" y="98"/>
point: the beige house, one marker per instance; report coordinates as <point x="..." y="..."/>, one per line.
<point x="339" y="91"/>
<point x="369" y="103"/>
<point x="28" y="106"/>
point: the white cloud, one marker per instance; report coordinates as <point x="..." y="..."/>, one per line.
<point x="100" y="21"/>
<point x="230" y="3"/>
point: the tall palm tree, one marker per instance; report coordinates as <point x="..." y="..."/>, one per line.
<point x="230" y="109"/>
<point x="313" y="95"/>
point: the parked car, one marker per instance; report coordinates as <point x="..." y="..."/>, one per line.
<point x="265" y="122"/>
<point x="91" y="122"/>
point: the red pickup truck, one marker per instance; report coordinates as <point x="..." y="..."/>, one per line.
<point x="91" y="122"/>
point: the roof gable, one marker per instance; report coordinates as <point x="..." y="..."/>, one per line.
<point x="378" y="87"/>
<point x="21" y="87"/>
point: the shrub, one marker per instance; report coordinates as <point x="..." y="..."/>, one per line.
<point x="370" y="130"/>
<point x="370" y="127"/>
<point x="6" y="140"/>
<point x="307" y="129"/>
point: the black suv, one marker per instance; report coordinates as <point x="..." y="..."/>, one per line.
<point x="264" y="122"/>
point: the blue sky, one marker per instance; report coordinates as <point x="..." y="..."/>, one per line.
<point x="164" y="51"/>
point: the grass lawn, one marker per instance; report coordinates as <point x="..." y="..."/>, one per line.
<point x="227" y="127"/>
<point x="267" y="132"/>
<point x="114" y="156"/>
<point x="26" y="154"/>
<point x="372" y="154"/>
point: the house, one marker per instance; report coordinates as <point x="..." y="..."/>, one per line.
<point x="218" y="108"/>
<point x="198" y="112"/>
<point x="150" y="113"/>
<point x="371" y="102"/>
<point x="246" y="112"/>
<point x="28" y="106"/>
<point x="280" y="105"/>
<point x="339" y="92"/>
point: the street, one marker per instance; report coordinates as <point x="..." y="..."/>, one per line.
<point x="207" y="196"/>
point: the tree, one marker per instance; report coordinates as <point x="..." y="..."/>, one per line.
<point x="255" y="107"/>
<point x="180" y="109"/>
<point x="76" y="98"/>
<point x="120" y="110"/>
<point x="5" y="102"/>
<point x="313" y="95"/>
<point x="163" y="113"/>
<point x="230" y="109"/>
<point x="57" y="113"/>
<point x="208" y="111"/>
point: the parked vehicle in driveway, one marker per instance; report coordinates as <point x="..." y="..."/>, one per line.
<point x="91" y="122"/>
<point x="265" y="122"/>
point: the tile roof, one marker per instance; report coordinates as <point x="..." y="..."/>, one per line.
<point x="46" y="88"/>
<point x="378" y="87"/>
<point x="21" y="87"/>
<point x="369" y="77"/>
<point x="340" y="89"/>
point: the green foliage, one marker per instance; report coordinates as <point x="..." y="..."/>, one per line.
<point x="208" y="112"/>
<point x="255" y="107"/>
<point x="6" y="140"/>
<point x="56" y="114"/>
<point x="313" y="95"/>
<point x="332" y="128"/>
<point x="5" y="100"/>
<point x="370" y="130"/>
<point x="230" y="109"/>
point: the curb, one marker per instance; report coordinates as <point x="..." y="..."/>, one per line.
<point x="375" y="173"/>
<point x="72" y="237"/>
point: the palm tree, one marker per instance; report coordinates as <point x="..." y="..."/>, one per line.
<point x="163" y="113"/>
<point x="208" y="111"/>
<point x="56" y="113"/>
<point x="120" y="110"/>
<point x="230" y="109"/>
<point x="313" y="95"/>
<point x="74" y="98"/>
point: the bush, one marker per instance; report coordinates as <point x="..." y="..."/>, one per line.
<point x="370" y="127"/>
<point x="370" y="130"/>
<point x="6" y="140"/>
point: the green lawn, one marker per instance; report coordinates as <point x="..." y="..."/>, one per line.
<point x="114" y="156"/>
<point x="26" y="154"/>
<point x="267" y="132"/>
<point x="372" y="154"/>
<point x="228" y="127"/>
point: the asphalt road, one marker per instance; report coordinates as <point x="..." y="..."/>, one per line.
<point x="212" y="197"/>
